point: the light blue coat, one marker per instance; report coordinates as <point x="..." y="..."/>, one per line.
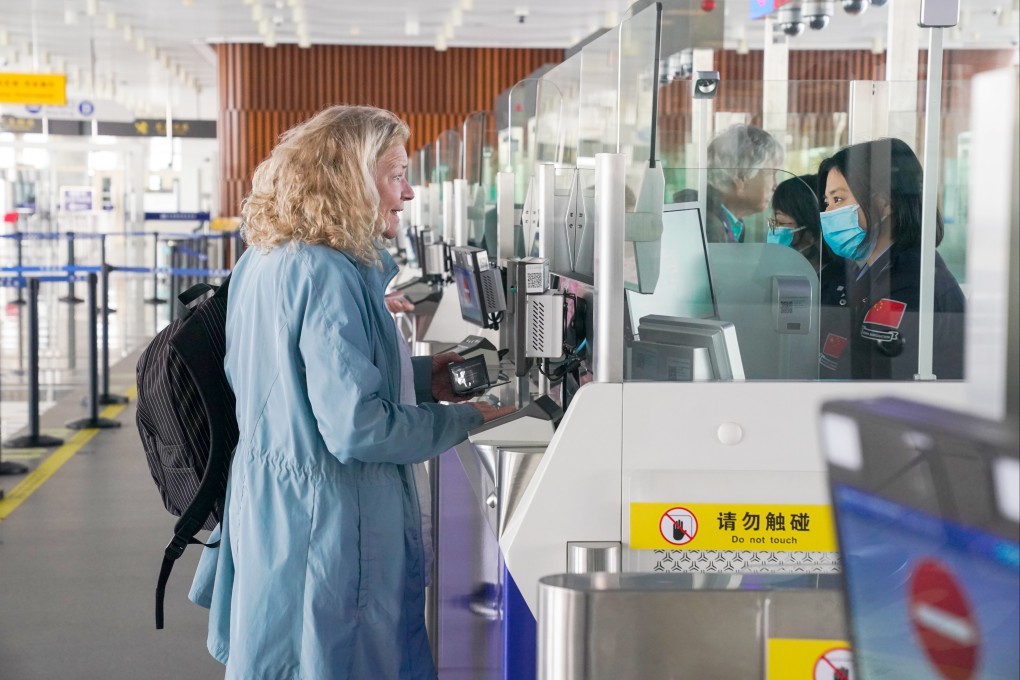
<point x="319" y="574"/>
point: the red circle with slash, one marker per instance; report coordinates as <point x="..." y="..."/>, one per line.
<point x="678" y="526"/>
<point x="944" y="621"/>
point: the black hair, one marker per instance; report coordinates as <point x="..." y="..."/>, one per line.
<point x="796" y="197"/>
<point x="884" y="169"/>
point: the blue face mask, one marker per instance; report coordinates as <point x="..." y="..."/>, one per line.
<point x="782" y="236"/>
<point x="842" y="231"/>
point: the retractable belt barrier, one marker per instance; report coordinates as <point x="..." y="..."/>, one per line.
<point x="185" y="256"/>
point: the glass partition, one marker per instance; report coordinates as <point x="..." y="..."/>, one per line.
<point x="480" y="169"/>
<point x="598" y="121"/>
<point x="448" y="157"/>
<point x="566" y="77"/>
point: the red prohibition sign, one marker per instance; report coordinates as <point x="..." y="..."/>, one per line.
<point x="678" y="526"/>
<point x="944" y="621"/>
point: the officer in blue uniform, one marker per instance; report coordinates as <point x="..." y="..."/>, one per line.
<point x="869" y="319"/>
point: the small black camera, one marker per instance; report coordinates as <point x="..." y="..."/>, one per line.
<point x="706" y="84"/>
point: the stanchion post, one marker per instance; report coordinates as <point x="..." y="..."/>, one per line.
<point x="71" y="298"/>
<point x="33" y="439"/>
<point x="155" y="299"/>
<point x="93" y="421"/>
<point x="107" y="309"/>
<point x="106" y="397"/>
<point x="19" y="237"/>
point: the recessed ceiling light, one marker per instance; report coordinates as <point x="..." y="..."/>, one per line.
<point x="440" y="43"/>
<point x="70" y="16"/>
<point x="411" y="26"/>
<point x="355" y="30"/>
<point x="111" y="21"/>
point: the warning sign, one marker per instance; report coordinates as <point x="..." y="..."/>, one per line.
<point x="731" y="526"/>
<point x="944" y="621"/>
<point x="798" y="659"/>
<point x="678" y="526"/>
<point x="835" y="664"/>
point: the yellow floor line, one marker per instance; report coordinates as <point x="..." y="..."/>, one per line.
<point x="55" y="461"/>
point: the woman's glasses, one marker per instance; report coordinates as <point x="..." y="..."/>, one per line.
<point x="773" y="223"/>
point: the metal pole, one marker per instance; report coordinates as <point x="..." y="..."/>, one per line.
<point x="33" y="439"/>
<point x="155" y="299"/>
<point x="107" y="309"/>
<point x="70" y="299"/>
<point x="93" y="421"/>
<point x="19" y="237"/>
<point x="608" y="350"/>
<point x="929" y="207"/>
<point x="106" y="397"/>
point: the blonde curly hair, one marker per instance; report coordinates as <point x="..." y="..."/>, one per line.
<point x="318" y="184"/>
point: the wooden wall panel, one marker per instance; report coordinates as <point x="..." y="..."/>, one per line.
<point x="266" y="91"/>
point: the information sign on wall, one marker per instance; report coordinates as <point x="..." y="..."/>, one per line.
<point x="76" y="199"/>
<point x="48" y="89"/>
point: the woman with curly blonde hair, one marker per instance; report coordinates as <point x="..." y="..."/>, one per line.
<point x="321" y="566"/>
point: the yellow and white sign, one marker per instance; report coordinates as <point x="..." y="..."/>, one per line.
<point x="43" y="89"/>
<point x="731" y="526"/>
<point x="810" y="660"/>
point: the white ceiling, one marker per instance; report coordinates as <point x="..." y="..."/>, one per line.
<point x="165" y="52"/>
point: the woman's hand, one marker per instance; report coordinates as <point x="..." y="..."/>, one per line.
<point x="490" y="412"/>
<point x="398" y="303"/>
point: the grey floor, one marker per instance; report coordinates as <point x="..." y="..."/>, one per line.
<point x="78" y="566"/>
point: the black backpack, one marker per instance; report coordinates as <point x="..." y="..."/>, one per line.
<point x="185" y="416"/>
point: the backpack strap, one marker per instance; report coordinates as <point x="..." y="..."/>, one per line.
<point x="188" y="298"/>
<point x="173" y="550"/>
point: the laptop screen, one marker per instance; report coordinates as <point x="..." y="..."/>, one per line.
<point x="928" y="598"/>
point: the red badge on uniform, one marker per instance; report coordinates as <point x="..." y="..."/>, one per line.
<point x="883" y="319"/>
<point x="832" y="350"/>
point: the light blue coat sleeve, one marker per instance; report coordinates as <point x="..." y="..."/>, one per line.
<point x="356" y="407"/>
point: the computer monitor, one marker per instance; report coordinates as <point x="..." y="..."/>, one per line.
<point x="670" y="348"/>
<point x="927" y="508"/>
<point x="467" y="265"/>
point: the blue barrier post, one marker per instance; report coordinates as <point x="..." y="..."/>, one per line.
<point x="93" y="421"/>
<point x="155" y="299"/>
<point x="33" y="439"/>
<point x="70" y="299"/>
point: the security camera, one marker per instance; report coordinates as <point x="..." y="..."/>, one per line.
<point x="855" y="7"/>
<point x="706" y="84"/>
<point x="788" y="18"/>
<point x="818" y="12"/>
<point x="522" y="14"/>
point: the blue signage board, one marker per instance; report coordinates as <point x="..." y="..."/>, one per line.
<point x="762" y="8"/>
<point x="177" y="216"/>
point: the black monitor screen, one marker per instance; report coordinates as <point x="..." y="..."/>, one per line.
<point x="471" y="305"/>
